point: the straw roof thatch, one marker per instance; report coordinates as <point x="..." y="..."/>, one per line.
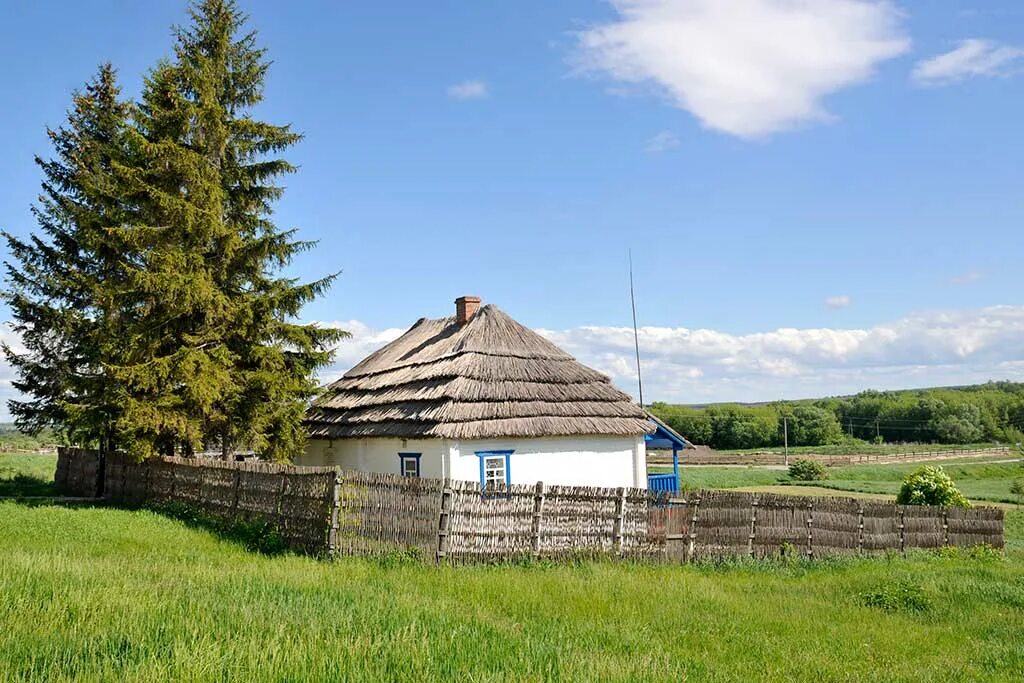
<point x="490" y="377"/>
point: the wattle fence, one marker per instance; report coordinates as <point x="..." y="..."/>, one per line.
<point x="331" y="512"/>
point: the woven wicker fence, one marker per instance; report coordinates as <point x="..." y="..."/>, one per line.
<point x="78" y="472"/>
<point x="297" y="501"/>
<point x="324" y="510"/>
<point x="509" y="522"/>
<point x="717" y="524"/>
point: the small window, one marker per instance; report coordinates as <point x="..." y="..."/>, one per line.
<point x="494" y="470"/>
<point x="410" y="464"/>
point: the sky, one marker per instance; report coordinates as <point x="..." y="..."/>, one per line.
<point x="820" y="197"/>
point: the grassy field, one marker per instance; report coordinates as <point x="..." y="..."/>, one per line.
<point x="864" y="448"/>
<point x="979" y="481"/>
<point x="26" y="474"/>
<point x="98" y="594"/>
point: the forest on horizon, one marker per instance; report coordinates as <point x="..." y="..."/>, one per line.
<point x="991" y="412"/>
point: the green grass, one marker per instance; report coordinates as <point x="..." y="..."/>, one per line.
<point x="94" y="594"/>
<point x="26" y="474"/>
<point x="979" y="481"/>
<point x="728" y="477"/>
<point x="98" y="594"/>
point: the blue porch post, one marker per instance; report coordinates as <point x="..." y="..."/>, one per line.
<point x="675" y="466"/>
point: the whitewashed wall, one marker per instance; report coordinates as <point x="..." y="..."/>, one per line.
<point x="377" y="455"/>
<point x="575" y="460"/>
<point x="569" y="460"/>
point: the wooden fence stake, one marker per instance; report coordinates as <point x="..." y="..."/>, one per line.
<point x="332" y="533"/>
<point x="280" y="497"/>
<point x="234" y="493"/>
<point x="753" y="524"/>
<point x="810" y="529"/>
<point x="538" y="510"/>
<point x="693" y="531"/>
<point x="444" y="524"/>
<point x="860" y="528"/>
<point x="620" y="505"/>
<point x="899" y="517"/>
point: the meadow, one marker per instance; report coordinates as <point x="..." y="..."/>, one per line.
<point x="984" y="481"/>
<point x="857" y="447"/>
<point x="96" y="594"/>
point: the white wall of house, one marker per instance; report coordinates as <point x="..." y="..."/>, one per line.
<point x="567" y="460"/>
<point x="377" y="454"/>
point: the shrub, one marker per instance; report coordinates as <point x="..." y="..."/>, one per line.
<point x="897" y="596"/>
<point x="930" y="485"/>
<point x="807" y="470"/>
<point x="1017" y="489"/>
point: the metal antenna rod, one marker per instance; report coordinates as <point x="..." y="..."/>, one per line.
<point x="636" y="336"/>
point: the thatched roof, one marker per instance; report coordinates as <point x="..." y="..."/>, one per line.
<point x="490" y="377"/>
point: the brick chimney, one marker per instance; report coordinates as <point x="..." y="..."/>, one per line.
<point x="465" y="308"/>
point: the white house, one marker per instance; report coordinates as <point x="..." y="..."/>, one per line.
<point x="479" y="397"/>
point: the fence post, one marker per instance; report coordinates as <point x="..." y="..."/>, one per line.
<point x="234" y="492"/>
<point x="620" y="504"/>
<point x="810" y="530"/>
<point x="860" y="528"/>
<point x="691" y="547"/>
<point x="899" y="516"/>
<point x="538" y="510"/>
<point x="753" y="525"/>
<point x="444" y="524"/>
<point x="332" y="532"/>
<point x="280" y="496"/>
<point x="945" y="526"/>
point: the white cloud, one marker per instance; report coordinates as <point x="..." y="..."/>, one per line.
<point x="837" y="302"/>
<point x="745" y="67"/>
<point x="971" y="58"/>
<point x="701" y="365"/>
<point x="468" y="90"/>
<point x="662" y="142"/>
<point x="696" y="366"/>
<point x="7" y="390"/>
<point x="362" y="341"/>
<point x="967" y="278"/>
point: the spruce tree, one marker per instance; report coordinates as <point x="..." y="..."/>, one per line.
<point x="64" y="284"/>
<point x="215" y="354"/>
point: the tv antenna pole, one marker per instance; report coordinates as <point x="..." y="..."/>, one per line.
<point x="636" y="336"/>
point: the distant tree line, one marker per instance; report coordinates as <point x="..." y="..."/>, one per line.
<point x="13" y="439"/>
<point x="962" y="415"/>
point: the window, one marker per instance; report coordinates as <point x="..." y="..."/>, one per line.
<point x="409" y="464"/>
<point x="494" y="468"/>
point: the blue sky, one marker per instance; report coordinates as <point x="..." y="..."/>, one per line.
<point x="846" y="170"/>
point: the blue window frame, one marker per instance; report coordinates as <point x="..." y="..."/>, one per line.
<point x="494" y="468"/>
<point x="409" y="464"/>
